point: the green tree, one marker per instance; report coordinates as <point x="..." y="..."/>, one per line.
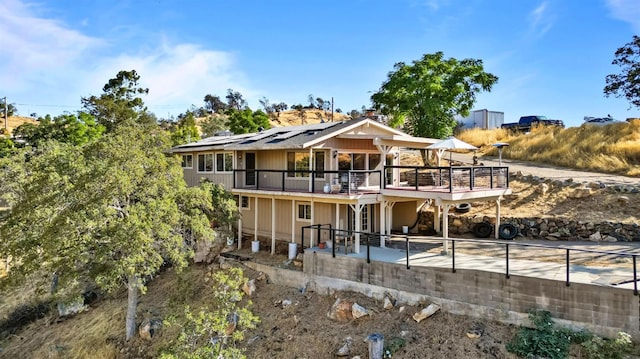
<point x="120" y="102"/>
<point x="235" y="101"/>
<point x="627" y="83"/>
<point x="216" y="331"/>
<point x="214" y="104"/>
<point x="246" y="121"/>
<point x="7" y="146"/>
<point x="426" y="95"/>
<point x="185" y="131"/>
<point x="10" y="109"/>
<point x="212" y="124"/>
<point x="112" y="211"/>
<point x="67" y="128"/>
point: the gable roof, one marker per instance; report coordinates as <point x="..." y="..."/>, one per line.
<point x="292" y="137"/>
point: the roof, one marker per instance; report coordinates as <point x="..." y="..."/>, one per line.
<point x="290" y="137"/>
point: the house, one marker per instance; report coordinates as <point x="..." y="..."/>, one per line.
<point x="342" y="175"/>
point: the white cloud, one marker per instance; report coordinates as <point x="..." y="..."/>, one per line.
<point x="50" y="66"/>
<point x="627" y="11"/>
<point x="178" y="76"/>
<point x="540" y="19"/>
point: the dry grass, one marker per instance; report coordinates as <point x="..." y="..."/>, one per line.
<point x="611" y="149"/>
<point x="15" y="121"/>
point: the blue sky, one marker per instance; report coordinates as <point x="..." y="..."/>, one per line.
<point x="551" y="56"/>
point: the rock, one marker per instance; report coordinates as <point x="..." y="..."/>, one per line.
<point x="232" y="321"/>
<point x="286" y="303"/>
<point x="401" y="309"/>
<point x="261" y="276"/>
<point x="225" y="265"/>
<point x="555" y="235"/>
<point x="544" y="234"/>
<point x="610" y="239"/>
<point x="623" y="199"/>
<point x="582" y="192"/>
<point x="426" y="312"/>
<point x="252" y="340"/>
<point x="72" y="307"/>
<point x="388" y="304"/>
<point x="476" y="331"/>
<point x="543" y="188"/>
<point x="456" y="222"/>
<point x="340" y="311"/>
<point x="249" y="287"/>
<point x="358" y="311"/>
<point x="544" y="227"/>
<point x="203" y="248"/>
<point x="596" y="237"/>
<point x="149" y="328"/>
<point x="345" y="348"/>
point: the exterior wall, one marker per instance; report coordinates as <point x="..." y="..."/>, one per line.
<point x="600" y="309"/>
<point x="350" y="144"/>
<point x="193" y="177"/>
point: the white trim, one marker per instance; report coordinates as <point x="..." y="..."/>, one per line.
<point x="183" y="156"/>
<point x="367" y="122"/>
<point x="213" y="162"/>
<point x="298" y="219"/>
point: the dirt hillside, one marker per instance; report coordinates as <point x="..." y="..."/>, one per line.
<point x="15" y="121"/>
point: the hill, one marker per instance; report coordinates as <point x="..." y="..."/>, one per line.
<point x="15" y="121"/>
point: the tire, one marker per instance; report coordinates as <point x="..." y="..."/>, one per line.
<point x="482" y="229"/>
<point x="507" y="231"/>
<point x="463" y="207"/>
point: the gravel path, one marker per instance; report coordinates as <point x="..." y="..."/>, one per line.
<point x="552" y="172"/>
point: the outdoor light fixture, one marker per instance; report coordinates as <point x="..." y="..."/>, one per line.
<point x="335" y="153"/>
<point x="239" y="156"/>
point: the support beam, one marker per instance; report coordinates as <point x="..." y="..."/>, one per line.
<point x="436" y="218"/>
<point x="293" y="221"/>
<point x="255" y="218"/>
<point x="383" y="221"/>
<point x="357" y="209"/>
<point x="313" y="233"/>
<point x="273" y="225"/>
<point x="240" y="223"/>
<point x="497" y="234"/>
<point x="337" y="223"/>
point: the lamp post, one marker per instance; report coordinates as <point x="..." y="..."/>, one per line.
<point x="500" y="146"/>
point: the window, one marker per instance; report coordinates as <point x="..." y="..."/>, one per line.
<point x="374" y="161"/>
<point x="187" y="161"/>
<point x="304" y="212"/>
<point x="244" y="204"/>
<point x="224" y="162"/>
<point x="205" y="162"/>
<point x="298" y="161"/>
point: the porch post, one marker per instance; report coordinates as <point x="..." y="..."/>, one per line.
<point x="311" y="175"/>
<point x="357" y="208"/>
<point x="337" y="223"/>
<point x="312" y="236"/>
<point x="497" y="234"/>
<point x="273" y="225"/>
<point x="240" y="223"/>
<point x="383" y="223"/>
<point x="445" y="228"/>
<point x="436" y="218"/>
<point x="255" y="219"/>
<point x="293" y="220"/>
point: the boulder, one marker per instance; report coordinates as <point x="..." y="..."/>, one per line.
<point x="72" y="307"/>
<point x="596" y="237"/>
<point x="249" y="287"/>
<point x="623" y="199"/>
<point x="582" y="192"/>
<point x="388" y="304"/>
<point x="149" y="328"/>
<point x="358" y="311"/>
<point x="340" y="311"/>
<point x="426" y="312"/>
<point x="345" y="349"/>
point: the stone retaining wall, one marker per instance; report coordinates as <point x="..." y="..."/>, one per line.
<point x="544" y="228"/>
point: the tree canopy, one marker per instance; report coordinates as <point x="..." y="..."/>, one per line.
<point x="426" y="95"/>
<point x="627" y="83"/>
<point x="247" y="121"/>
<point x="67" y="128"/>
<point x="120" y="102"/>
<point x="110" y="212"/>
<point x="10" y="109"/>
<point x="185" y="131"/>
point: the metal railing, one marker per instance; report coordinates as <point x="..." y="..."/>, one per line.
<point x="368" y="238"/>
<point x="451" y="177"/>
<point x="305" y="180"/>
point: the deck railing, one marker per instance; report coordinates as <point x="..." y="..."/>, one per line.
<point x="417" y="178"/>
<point x="368" y="240"/>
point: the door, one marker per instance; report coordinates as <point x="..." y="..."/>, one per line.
<point x="250" y="166"/>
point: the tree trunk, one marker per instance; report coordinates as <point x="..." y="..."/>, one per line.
<point x="132" y="305"/>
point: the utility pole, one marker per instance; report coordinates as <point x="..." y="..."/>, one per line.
<point x="6" y="111"/>
<point x="331" y="108"/>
